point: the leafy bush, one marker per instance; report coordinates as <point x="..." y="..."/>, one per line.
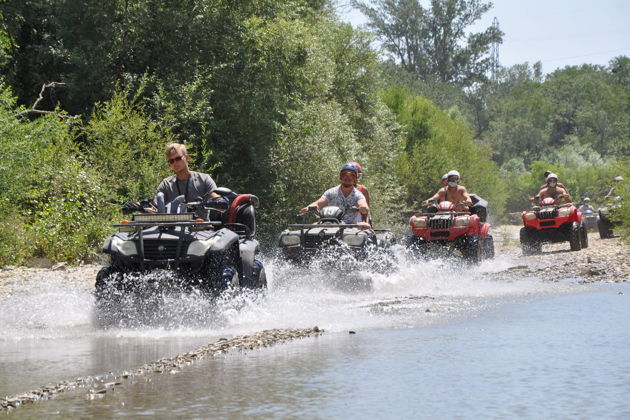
<point x="435" y="143"/>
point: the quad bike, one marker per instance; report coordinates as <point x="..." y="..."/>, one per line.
<point x="589" y="216"/>
<point x="550" y="222"/>
<point x="208" y="245"/>
<point x="329" y="236"/>
<point x="444" y="229"/>
<point x="605" y="224"/>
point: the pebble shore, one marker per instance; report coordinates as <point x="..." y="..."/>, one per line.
<point x="101" y="385"/>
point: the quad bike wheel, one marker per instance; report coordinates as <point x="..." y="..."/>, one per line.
<point x="529" y="244"/>
<point x="472" y="250"/>
<point x="226" y="277"/>
<point x="488" y="247"/>
<point x="575" y="237"/>
<point x="584" y="239"/>
<point x="604" y="229"/>
<point x="258" y="279"/>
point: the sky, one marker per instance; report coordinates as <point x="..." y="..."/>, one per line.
<point x="557" y="33"/>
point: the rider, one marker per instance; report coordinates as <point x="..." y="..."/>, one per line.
<point x="542" y="187"/>
<point x="362" y="188"/>
<point x="184" y="182"/>
<point x="346" y="197"/>
<point x="453" y="192"/>
<point x="554" y="190"/>
<point x="585" y="205"/>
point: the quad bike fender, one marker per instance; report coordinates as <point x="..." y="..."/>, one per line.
<point x="248" y="249"/>
<point x="224" y="239"/>
<point x="484" y="231"/>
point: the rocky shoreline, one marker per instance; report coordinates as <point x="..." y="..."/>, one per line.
<point x="98" y="386"/>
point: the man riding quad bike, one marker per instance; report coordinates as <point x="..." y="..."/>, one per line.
<point x="208" y="244"/>
<point x="452" y="220"/>
<point x="554" y="220"/>
<point x="331" y="236"/>
<point x="441" y="228"/>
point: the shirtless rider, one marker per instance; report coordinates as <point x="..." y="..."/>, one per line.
<point x="456" y="194"/>
<point x="554" y="190"/>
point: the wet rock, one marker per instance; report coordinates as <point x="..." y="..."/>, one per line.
<point x="352" y="332"/>
<point x="432" y="309"/>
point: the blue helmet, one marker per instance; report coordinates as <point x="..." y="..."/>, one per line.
<point x="350" y="167"/>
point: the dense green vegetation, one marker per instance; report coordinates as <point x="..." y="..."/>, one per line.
<point x="272" y="97"/>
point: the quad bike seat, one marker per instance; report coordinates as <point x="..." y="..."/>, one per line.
<point x="479" y="207"/>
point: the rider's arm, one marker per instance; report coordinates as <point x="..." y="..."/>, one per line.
<point x="363" y="209"/>
<point x="322" y="202"/>
<point x="566" y="196"/>
<point x="434" y="197"/>
<point x="466" y="197"/>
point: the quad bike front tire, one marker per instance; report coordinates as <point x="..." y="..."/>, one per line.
<point x="488" y="247"/>
<point x="575" y="237"/>
<point x="258" y="281"/>
<point x="604" y="229"/>
<point x="225" y="278"/>
<point x="584" y="238"/>
<point x="472" y="250"/>
<point x="529" y="244"/>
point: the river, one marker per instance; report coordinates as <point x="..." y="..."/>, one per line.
<point x="434" y="339"/>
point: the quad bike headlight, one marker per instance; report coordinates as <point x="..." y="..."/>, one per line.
<point x="200" y="247"/>
<point x="564" y="211"/>
<point x="289" y="240"/>
<point x="354" y="240"/>
<point x="462" y="221"/>
<point x="530" y="215"/>
<point x="127" y="248"/>
<point x="419" y="221"/>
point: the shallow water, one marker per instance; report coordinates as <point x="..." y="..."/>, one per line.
<point x="400" y="348"/>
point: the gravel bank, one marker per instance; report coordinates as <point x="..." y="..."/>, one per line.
<point x="100" y="385"/>
<point x="604" y="260"/>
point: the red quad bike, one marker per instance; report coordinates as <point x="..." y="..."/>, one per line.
<point x="447" y="228"/>
<point x="550" y="222"/>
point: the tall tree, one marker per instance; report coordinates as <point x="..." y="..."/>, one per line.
<point x="433" y="43"/>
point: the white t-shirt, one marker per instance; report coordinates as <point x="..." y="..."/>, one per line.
<point x="335" y="197"/>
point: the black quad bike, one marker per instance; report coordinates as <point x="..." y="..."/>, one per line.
<point x="365" y="248"/>
<point x="209" y="247"/>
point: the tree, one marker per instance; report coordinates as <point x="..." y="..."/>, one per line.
<point x="433" y="43"/>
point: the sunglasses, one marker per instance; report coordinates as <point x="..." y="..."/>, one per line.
<point x="177" y="159"/>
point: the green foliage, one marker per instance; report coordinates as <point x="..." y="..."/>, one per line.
<point x="622" y="189"/>
<point x="126" y="147"/>
<point x="578" y="110"/>
<point x="51" y="204"/>
<point x="436" y="143"/>
<point x="581" y="179"/>
<point x="433" y="42"/>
